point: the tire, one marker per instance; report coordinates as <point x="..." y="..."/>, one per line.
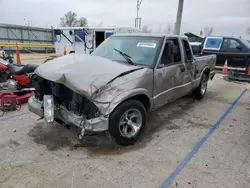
<point x="247" y="65"/>
<point x="122" y="133"/>
<point x="201" y="90"/>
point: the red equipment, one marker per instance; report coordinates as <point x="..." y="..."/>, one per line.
<point x="23" y="96"/>
<point x="8" y="102"/>
<point x="23" y="80"/>
<point x="16" y="76"/>
<point x="3" y="67"/>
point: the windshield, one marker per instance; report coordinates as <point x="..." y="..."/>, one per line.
<point x="141" y="49"/>
<point x="246" y="43"/>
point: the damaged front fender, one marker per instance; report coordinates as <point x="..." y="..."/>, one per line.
<point x="107" y="107"/>
<point x="123" y="88"/>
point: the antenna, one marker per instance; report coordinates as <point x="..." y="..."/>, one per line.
<point x="137" y="19"/>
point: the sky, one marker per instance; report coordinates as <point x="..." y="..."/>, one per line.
<point x="227" y="17"/>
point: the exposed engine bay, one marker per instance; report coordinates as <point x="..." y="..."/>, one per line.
<point x="65" y="97"/>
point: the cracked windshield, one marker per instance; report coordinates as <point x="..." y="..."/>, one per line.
<point x="124" y="94"/>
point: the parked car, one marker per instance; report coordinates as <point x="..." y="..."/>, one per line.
<point x="235" y="50"/>
<point x="115" y="87"/>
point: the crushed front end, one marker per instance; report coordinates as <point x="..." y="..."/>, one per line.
<point x="55" y="102"/>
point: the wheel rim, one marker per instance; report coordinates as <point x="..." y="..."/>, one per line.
<point x="130" y="123"/>
<point x="203" y="86"/>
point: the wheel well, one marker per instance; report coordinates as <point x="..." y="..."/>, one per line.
<point x="143" y="99"/>
<point x="206" y="72"/>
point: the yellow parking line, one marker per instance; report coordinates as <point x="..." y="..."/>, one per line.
<point x="248" y="87"/>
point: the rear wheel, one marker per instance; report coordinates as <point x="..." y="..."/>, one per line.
<point x="126" y="122"/>
<point x="201" y="90"/>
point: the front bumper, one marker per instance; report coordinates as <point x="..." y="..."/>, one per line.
<point x="98" y="124"/>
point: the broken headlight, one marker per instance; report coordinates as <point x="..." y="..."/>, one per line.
<point x="48" y="108"/>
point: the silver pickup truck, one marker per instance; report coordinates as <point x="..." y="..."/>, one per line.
<point x="115" y="87"/>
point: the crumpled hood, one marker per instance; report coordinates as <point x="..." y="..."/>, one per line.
<point x="82" y="73"/>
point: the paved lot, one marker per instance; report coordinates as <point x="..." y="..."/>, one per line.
<point x="33" y="154"/>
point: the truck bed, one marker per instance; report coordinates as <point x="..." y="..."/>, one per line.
<point x="205" y="60"/>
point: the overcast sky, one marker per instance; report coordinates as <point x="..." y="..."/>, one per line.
<point x="225" y="16"/>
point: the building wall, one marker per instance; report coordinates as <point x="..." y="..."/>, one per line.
<point x="34" y="38"/>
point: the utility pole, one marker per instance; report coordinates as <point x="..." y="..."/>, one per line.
<point x="137" y="19"/>
<point x="179" y="17"/>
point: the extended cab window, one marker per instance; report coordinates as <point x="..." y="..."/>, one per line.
<point x="171" y="54"/>
<point x="187" y="50"/>
<point x="230" y="44"/>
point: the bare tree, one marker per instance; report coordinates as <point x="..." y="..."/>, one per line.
<point x="82" y="22"/>
<point x="69" y="19"/>
<point x="248" y="30"/>
<point x="145" y="29"/>
<point x="208" y="31"/>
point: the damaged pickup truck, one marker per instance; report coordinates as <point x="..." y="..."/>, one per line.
<point x="115" y="87"/>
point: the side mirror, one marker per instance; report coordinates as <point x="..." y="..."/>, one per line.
<point x="239" y="47"/>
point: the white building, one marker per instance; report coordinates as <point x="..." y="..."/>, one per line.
<point x="84" y="39"/>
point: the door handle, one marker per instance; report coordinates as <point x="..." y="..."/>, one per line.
<point x="182" y="67"/>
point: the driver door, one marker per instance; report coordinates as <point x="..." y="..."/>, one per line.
<point x="169" y="74"/>
<point x="234" y="55"/>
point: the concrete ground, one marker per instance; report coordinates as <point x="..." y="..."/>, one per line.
<point x="33" y="154"/>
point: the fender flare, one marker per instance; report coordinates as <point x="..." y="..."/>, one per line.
<point x="126" y="96"/>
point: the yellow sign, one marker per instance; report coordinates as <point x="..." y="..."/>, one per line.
<point x="49" y="35"/>
<point x="26" y="45"/>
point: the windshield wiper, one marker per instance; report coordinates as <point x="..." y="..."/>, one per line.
<point x="126" y="56"/>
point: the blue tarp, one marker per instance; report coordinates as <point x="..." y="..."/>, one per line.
<point x="213" y="43"/>
<point x="108" y="34"/>
<point x="79" y="35"/>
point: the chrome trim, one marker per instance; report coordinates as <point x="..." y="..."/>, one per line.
<point x="35" y="106"/>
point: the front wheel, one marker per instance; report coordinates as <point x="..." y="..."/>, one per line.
<point x="126" y="122"/>
<point x="201" y="90"/>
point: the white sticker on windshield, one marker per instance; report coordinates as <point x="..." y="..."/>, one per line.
<point x="146" y="44"/>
